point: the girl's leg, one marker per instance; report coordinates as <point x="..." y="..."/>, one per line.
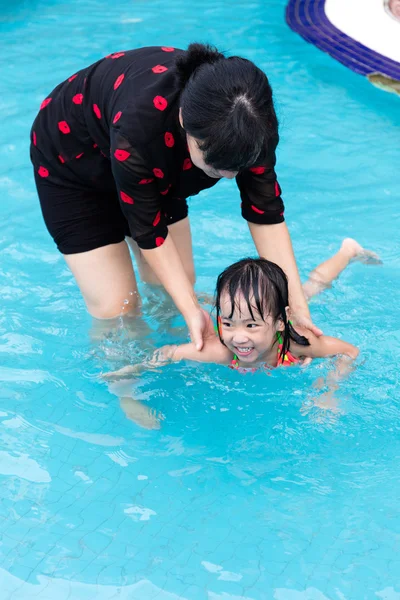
<point x="181" y="234"/>
<point x="322" y="277"/>
<point x="106" y="279"/>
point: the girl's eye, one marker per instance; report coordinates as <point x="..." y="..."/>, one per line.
<point x="226" y="324"/>
<point x="251" y="325"/>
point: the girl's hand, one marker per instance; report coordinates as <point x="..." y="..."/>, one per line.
<point x="129" y="370"/>
<point x="200" y="327"/>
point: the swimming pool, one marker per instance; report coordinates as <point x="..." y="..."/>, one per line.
<point x="246" y="492"/>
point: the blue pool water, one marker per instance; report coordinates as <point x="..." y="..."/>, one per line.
<point x="247" y="491"/>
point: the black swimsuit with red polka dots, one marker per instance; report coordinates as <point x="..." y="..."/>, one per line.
<point x="111" y="159"/>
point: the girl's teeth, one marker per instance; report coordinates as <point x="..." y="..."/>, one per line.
<point x="244" y="349"/>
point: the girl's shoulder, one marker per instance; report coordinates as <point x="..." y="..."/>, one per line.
<point x="322" y="346"/>
<point x="213" y="351"/>
<point x="300" y="350"/>
<point x="217" y="352"/>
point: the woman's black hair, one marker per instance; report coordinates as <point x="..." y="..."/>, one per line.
<point x="227" y="106"/>
<point x="264" y="287"/>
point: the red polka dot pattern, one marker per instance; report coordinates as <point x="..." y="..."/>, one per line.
<point x="165" y="192"/>
<point x="121" y="154"/>
<point x="125" y="198"/>
<point x="64" y="127"/>
<point x="43" y="172"/>
<point x="169" y="139"/>
<point x="45" y="103"/>
<point x="144" y="135"/>
<point x="118" y="81"/>
<point x="159" y="241"/>
<point x="159" y="69"/>
<point x="157" y="219"/>
<point x="160" y="103"/>
<point x="258" y="170"/>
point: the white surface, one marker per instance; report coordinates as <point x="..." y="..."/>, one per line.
<point x="367" y="22"/>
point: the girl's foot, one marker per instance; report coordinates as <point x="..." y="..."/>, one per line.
<point x="355" y="251"/>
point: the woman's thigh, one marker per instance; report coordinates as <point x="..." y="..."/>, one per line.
<point x="181" y="234"/>
<point x="89" y="229"/>
<point x="106" y="280"/>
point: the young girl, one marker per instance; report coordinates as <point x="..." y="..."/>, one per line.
<point x="253" y="321"/>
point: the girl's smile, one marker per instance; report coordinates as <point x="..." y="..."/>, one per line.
<point x="248" y="336"/>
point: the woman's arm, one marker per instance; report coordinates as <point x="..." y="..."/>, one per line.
<point x="167" y="265"/>
<point x="273" y="243"/>
<point x="141" y="203"/>
<point x="263" y="209"/>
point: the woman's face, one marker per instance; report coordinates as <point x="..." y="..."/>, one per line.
<point x="197" y="157"/>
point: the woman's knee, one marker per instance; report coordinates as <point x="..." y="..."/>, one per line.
<point x="112" y="308"/>
<point x="106" y="279"/>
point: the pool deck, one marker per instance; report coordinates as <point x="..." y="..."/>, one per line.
<point x="360" y="34"/>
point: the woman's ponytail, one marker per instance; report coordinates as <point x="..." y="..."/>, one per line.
<point x="195" y="56"/>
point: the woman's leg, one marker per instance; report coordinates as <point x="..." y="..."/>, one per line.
<point x="181" y="234"/>
<point x="322" y="277"/>
<point x="140" y="413"/>
<point x="106" y="279"/>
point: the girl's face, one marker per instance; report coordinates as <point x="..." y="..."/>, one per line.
<point x="251" y="339"/>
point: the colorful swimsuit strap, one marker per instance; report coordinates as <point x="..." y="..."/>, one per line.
<point x="288" y="359"/>
<point x="234" y="362"/>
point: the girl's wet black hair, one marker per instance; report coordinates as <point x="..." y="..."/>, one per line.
<point x="264" y="287"/>
<point x="227" y="106"/>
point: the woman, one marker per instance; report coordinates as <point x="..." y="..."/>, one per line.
<point x="119" y="146"/>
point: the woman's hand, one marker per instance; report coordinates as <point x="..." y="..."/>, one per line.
<point x="302" y="319"/>
<point x="200" y="327"/>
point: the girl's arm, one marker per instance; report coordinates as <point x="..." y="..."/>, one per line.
<point x="323" y="346"/>
<point x="213" y="352"/>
